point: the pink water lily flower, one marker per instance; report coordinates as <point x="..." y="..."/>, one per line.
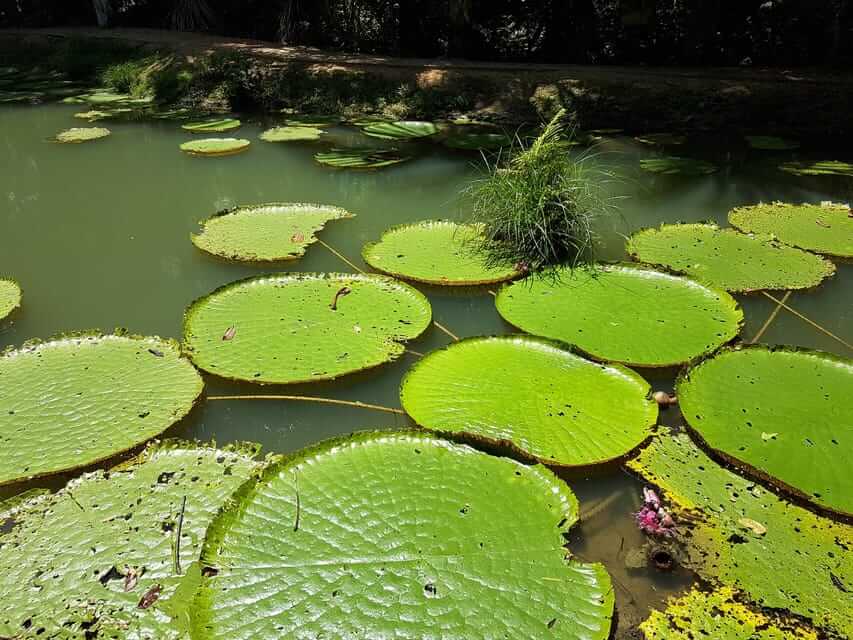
<point x="653" y="519"/>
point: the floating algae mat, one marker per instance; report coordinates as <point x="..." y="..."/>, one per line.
<point x="824" y="228"/>
<point x="787" y="416"/>
<point x="82" y="134"/>
<point x="303" y="327"/>
<point x="402" y="130"/>
<point x="390" y="535"/>
<point x="291" y="134"/>
<point x="673" y="165"/>
<point x="527" y="392"/>
<point x="212" y="126"/>
<point x="265" y="232"/>
<point x="793" y="560"/>
<point x="435" y="252"/>
<point x="74" y="401"/>
<point x="215" y="146"/>
<point x="360" y="158"/>
<point x="623" y="313"/>
<point x="78" y="563"/>
<point x="727" y="259"/>
<point x="10" y="297"/>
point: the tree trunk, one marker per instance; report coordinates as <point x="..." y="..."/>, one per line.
<point x="103" y="10"/>
<point x="460" y="34"/>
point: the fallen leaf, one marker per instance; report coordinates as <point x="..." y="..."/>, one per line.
<point x="822" y="223"/>
<point x="756" y="527"/>
<point x="155" y="352"/>
<point x="150" y="597"/>
<point x="130" y="579"/>
<point x="229" y="334"/>
<point x="343" y="291"/>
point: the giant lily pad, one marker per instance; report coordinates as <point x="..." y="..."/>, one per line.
<point x="822" y="168"/>
<point x="291" y="134"/>
<point x="719" y="615"/>
<point x="212" y="126"/>
<point x="302" y="327"/>
<point x="82" y="134"/>
<point x="621" y="313"/>
<point x="215" y="146"/>
<point x="360" y="158"/>
<point x="400" y="536"/>
<point x="785" y="414"/>
<point x="772" y="143"/>
<point x="265" y="232"/>
<point x="527" y="392"/>
<point x="801" y="562"/>
<point x="822" y="228"/>
<point x="10" y="297"/>
<point x="728" y="259"/>
<point x="402" y="130"/>
<point x="77" y="563"/>
<point x="673" y="165"/>
<point x="435" y="252"/>
<point x="75" y="401"/>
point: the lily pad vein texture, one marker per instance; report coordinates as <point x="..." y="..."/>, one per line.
<point x="787" y="418"/>
<point x="212" y="126"/>
<point x="434" y="252"/>
<point x="720" y="615"/>
<point x="66" y="562"/>
<point x="623" y="313"/>
<point x="265" y="232"/>
<point x="728" y="259"/>
<point x="290" y="328"/>
<point x="802" y="563"/>
<point x="291" y="134"/>
<point x="77" y="400"/>
<point x="399" y="535"/>
<point x="215" y="146"/>
<point x="10" y="297"/>
<point x="533" y="395"/>
<point x="826" y="229"/>
<point x="401" y="130"/>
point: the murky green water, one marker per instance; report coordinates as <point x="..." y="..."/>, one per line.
<point x="98" y="236"/>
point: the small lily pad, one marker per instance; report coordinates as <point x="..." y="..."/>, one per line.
<point x="213" y="126"/>
<point x="661" y="139"/>
<point x="215" y="146"/>
<point x="303" y="327"/>
<point x="75" y="401"/>
<point x="291" y="134"/>
<point x="265" y="232"/>
<point x="825" y="228"/>
<point x="527" y="392"/>
<point x="401" y="130"/>
<point x="772" y="143"/>
<point x="435" y="252"/>
<point x="621" y="313"/>
<point x="673" y="165"/>
<point x="82" y="134"/>
<point x="387" y="535"/>
<point x="800" y="397"/>
<point x="822" y="168"/>
<point x="360" y="158"/>
<point x="10" y="297"/>
<point x="727" y="259"/>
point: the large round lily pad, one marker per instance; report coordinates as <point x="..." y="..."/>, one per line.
<point x="291" y="134"/>
<point x="529" y="393"/>
<point x="730" y="260"/>
<point x="75" y="401"/>
<point x="402" y="130"/>
<point x="303" y="327"/>
<point x="10" y="297"/>
<point x="265" y="232"/>
<point x="400" y="536"/>
<point x="676" y="166"/>
<point x="621" y="313"/>
<point x="435" y="252"/>
<point x="78" y="563"/>
<point x="212" y="126"/>
<point x="771" y="143"/>
<point x="826" y="229"/>
<point x="215" y="146"/>
<point x="821" y="168"/>
<point x="360" y="158"/>
<point x="785" y="414"/>
<point x="82" y="134"/>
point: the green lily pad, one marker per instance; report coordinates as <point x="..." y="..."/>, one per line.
<point x="719" y="615"/>
<point x="303" y="327"/>
<point x="527" y="392"/>
<point x="360" y="158"/>
<point x="673" y="165"/>
<point x="397" y="536"/>
<point x="772" y="143"/>
<point x="315" y="121"/>
<point x="802" y="563"/>
<point x="82" y="134"/>
<point x="215" y="146"/>
<point x="10" y="297"/>
<point x="822" y="168"/>
<point x="78" y="400"/>
<point x="291" y="134"/>
<point x="265" y="232"/>
<point x="800" y="398"/>
<point x="213" y="126"/>
<point x="620" y="313"/>
<point x="402" y="130"/>
<point x="435" y="252"/>
<point x="65" y="565"/>
<point x="661" y="139"/>
<point x="473" y="138"/>
<point x="728" y="259"/>
<point x="825" y="228"/>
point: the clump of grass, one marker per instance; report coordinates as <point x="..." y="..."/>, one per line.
<point x="537" y="204"/>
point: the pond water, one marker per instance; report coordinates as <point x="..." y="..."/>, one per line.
<point x="98" y="236"/>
